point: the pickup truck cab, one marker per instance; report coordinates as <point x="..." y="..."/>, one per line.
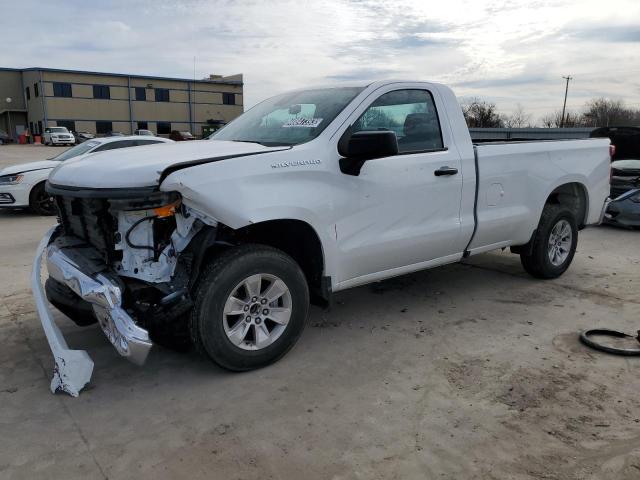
<point x="223" y="243"/>
<point x="58" y="136"/>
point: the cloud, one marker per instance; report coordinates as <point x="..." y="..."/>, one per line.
<point x="512" y="51"/>
<point x="607" y="34"/>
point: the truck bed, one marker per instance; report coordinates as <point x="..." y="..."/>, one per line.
<point x="514" y="179"/>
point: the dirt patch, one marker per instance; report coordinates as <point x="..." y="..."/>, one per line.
<point x="531" y="388"/>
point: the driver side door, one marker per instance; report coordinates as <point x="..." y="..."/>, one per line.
<point x="406" y="214"/>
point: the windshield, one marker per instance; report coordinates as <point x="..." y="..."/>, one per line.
<point x="290" y="118"/>
<point x="76" y="151"/>
<point x="59" y="130"/>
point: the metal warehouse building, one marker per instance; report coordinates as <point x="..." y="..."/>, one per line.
<point x="95" y="102"/>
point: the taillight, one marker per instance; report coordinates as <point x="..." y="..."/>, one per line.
<point x="612" y="150"/>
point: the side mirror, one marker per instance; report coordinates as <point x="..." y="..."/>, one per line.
<point x="366" y="145"/>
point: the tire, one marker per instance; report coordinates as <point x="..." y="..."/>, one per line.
<point x="66" y="300"/>
<point x="252" y="338"/>
<point x="40" y="201"/>
<point x="544" y="260"/>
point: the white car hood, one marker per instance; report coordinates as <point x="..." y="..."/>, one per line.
<point x="28" y="167"/>
<point x="143" y="166"/>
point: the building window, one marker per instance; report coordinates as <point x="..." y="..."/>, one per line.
<point x="62" y="89"/>
<point x="164" y="128"/>
<point x="70" y="124"/>
<point x="141" y="94"/>
<point x="143" y="126"/>
<point x="101" y="91"/>
<point x="229" y="98"/>
<point x="104" y="127"/>
<point x="162" y="94"/>
<point x="36" y="90"/>
<point x="28" y="92"/>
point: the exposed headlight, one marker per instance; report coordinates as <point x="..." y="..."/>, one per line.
<point x="11" y="179"/>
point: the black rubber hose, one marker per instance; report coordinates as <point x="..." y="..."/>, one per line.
<point x="139" y="247"/>
<point x="585" y="338"/>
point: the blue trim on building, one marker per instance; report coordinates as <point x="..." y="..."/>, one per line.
<point x="105" y="74"/>
<point x="125" y="120"/>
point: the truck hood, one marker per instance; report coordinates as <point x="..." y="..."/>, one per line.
<point x="28" y="167"/>
<point x="137" y="167"/>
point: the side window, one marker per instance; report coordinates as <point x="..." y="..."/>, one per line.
<point x="411" y="114"/>
<point x="115" y="145"/>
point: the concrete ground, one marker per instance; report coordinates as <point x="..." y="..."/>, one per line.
<point x="471" y="371"/>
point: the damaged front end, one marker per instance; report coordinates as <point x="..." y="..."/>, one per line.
<point x="124" y="261"/>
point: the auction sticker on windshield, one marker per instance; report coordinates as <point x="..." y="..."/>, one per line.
<point x="302" y="122"/>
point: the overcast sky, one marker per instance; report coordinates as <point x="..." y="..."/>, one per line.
<point x="504" y="51"/>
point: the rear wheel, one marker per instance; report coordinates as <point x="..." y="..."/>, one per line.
<point x="554" y="244"/>
<point x="251" y="306"/>
<point x="40" y="201"/>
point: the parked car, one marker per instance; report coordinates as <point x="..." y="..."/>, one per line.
<point x="58" y="136"/>
<point x="4" y="137"/>
<point x="143" y="132"/>
<point x="23" y="185"/>
<point x="181" y="136"/>
<point x="224" y="242"/>
<point x="624" y="209"/>
<point x="83" y="136"/>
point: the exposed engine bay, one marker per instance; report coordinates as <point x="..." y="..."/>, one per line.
<point x="145" y="245"/>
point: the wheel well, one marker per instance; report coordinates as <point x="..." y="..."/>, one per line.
<point x="33" y="188"/>
<point x="574" y="197"/>
<point x="298" y="240"/>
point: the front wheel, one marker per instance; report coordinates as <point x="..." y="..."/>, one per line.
<point x="40" y="201"/>
<point x="251" y="306"/>
<point x="554" y="244"/>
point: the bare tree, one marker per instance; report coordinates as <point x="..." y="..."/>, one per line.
<point x="554" y="120"/>
<point x="481" y="114"/>
<point x="518" y="119"/>
<point x="602" y="112"/>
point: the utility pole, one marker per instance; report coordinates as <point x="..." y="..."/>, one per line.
<point x="9" y="100"/>
<point x="564" y="105"/>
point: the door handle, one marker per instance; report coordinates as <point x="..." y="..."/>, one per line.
<point x="445" y="171"/>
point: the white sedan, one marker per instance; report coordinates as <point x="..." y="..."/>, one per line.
<point x="23" y="185"/>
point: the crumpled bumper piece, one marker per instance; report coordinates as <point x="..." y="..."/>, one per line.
<point x="73" y="368"/>
<point x="624" y="211"/>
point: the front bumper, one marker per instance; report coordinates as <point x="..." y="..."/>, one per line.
<point x="73" y="368"/>
<point x="63" y="141"/>
<point x="13" y="196"/>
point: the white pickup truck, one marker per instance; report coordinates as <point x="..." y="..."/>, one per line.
<point x="223" y="243"/>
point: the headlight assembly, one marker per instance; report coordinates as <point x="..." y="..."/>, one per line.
<point x="11" y="179"/>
